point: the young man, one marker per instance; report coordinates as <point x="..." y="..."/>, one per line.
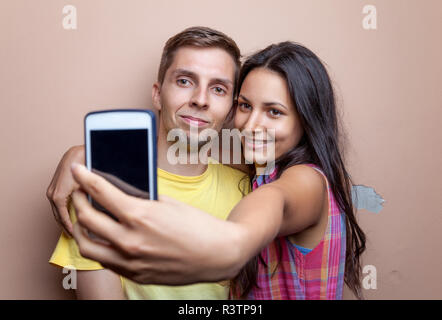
<point x="196" y="85"/>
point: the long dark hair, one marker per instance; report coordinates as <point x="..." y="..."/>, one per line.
<point x="312" y="93"/>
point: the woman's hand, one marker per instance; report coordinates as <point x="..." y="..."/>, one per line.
<point x="62" y="185"/>
<point x="154" y="242"/>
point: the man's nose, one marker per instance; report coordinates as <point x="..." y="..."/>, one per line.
<point x="199" y="98"/>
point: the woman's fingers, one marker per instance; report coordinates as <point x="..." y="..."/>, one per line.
<point x="120" y="184"/>
<point x="106" y="194"/>
<point x="108" y="256"/>
<point x="96" y="221"/>
<point x="165" y="199"/>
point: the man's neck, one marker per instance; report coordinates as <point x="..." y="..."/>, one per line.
<point x="184" y="169"/>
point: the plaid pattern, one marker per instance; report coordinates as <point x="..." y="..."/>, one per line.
<point x="312" y="276"/>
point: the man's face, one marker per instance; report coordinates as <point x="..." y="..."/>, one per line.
<point x="197" y="90"/>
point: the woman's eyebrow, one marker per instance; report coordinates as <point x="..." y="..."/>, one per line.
<point x="244" y="98"/>
<point x="268" y="104"/>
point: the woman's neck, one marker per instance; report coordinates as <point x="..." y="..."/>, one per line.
<point x="264" y="169"/>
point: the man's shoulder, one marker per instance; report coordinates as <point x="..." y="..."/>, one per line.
<point x="228" y="176"/>
<point x="227" y="169"/>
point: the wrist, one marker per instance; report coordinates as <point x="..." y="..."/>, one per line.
<point x="233" y="253"/>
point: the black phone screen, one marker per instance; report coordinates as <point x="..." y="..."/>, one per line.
<point x="121" y="157"/>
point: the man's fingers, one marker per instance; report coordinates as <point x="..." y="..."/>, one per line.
<point x="65" y="225"/>
<point x="96" y="221"/>
<point x="106" y="194"/>
<point x="63" y="214"/>
<point x="55" y="213"/>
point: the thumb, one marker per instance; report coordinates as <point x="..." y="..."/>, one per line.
<point x="166" y="199"/>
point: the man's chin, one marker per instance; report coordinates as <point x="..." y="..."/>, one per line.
<point x="196" y="138"/>
<point x="196" y="142"/>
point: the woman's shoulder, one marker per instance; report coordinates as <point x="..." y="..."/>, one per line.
<point x="304" y="191"/>
<point x="303" y="187"/>
<point x="304" y="175"/>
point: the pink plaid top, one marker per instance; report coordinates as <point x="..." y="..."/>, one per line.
<point x="318" y="274"/>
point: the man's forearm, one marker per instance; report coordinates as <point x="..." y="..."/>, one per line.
<point x="99" y="285"/>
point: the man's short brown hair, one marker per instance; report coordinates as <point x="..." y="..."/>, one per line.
<point x="200" y="37"/>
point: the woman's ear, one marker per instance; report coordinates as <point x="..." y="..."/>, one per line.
<point x="228" y="122"/>
<point x="156" y="98"/>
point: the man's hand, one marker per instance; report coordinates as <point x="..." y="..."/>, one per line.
<point x="153" y="242"/>
<point x="62" y="186"/>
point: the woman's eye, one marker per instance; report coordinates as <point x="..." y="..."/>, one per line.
<point x="275" y="113"/>
<point x="244" y="106"/>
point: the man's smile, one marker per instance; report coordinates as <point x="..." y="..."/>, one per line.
<point x="191" y="120"/>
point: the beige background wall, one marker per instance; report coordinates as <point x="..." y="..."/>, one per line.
<point x="387" y="80"/>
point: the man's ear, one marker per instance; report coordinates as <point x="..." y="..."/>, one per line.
<point x="156" y="98"/>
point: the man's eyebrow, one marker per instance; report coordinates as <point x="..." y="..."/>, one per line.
<point x="267" y="104"/>
<point x="225" y="82"/>
<point x="184" y="72"/>
<point x="191" y="74"/>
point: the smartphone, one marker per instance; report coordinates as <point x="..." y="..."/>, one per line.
<point x="120" y="145"/>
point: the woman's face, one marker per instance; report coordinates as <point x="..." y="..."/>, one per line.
<point x="267" y="117"/>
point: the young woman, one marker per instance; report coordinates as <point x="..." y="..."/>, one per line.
<point x="294" y="237"/>
<point x="285" y="88"/>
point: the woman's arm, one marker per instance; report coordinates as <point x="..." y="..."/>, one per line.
<point x="169" y="242"/>
<point x="99" y="285"/>
<point x="286" y="206"/>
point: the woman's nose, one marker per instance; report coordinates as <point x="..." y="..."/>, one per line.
<point x="254" y="122"/>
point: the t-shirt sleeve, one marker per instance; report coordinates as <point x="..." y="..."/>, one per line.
<point x="67" y="254"/>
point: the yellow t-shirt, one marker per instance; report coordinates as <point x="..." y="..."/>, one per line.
<point x="216" y="192"/>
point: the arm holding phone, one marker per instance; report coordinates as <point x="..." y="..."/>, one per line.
<point x="223" y="268"/>
<point x="176" y="236"/>
<point x="169" y="242"/>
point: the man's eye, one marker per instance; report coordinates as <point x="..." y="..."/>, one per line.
<point x="183" y="82"/>
<point x="219" y="90"/>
